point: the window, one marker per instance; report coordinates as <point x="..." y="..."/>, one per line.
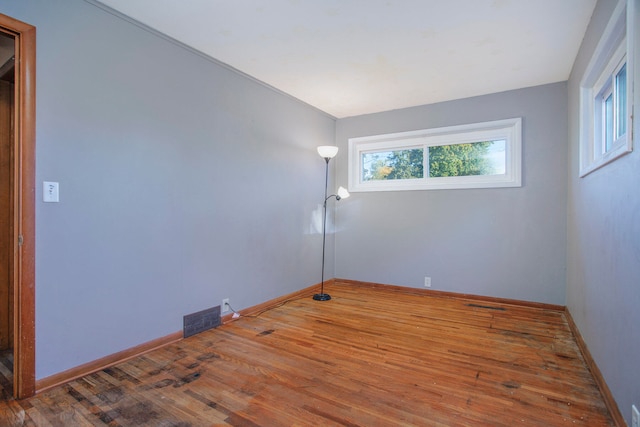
<point x="480" y="155"/>
<point x="606" y="97"/>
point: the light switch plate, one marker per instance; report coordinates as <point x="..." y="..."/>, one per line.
<point x="50" y="192"/>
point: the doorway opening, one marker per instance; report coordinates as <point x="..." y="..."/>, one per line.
<point x="17" y="208"/>
<point x="7" y="112"/>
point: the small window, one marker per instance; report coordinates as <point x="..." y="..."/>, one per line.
<point x="605" y="98"/>
<point x="479" y="155"/>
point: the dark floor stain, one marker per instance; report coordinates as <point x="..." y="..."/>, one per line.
<point x="239" y="420"/>
<point x="488" y="307"/>
<point x="511" y="384"/>
<point x="111" y="396"/>
<point x="558" y="401"/>
<point x="139" y="413"/>
<point x="248" y="392"/>
<point x="208" y="402"/>
<point x="207" y="356"/>
<point x="264" y="333"/>
<point x="75" y="394"/>
<point x="564" y="356"/>
<point x="164" y="383"/>
<point x="120" y="375"/>
<point x="104" y="417"/>
<point x="187" y="379"/>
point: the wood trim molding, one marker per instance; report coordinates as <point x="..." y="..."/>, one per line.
<point x="444" y="294"/>
<point x="256" y="309"/>
<point x="609" y="401"/>
<point x="23" y="259"/>
<point x="105" y="362"/>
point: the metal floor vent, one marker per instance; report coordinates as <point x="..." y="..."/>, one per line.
<point x="201" y="321"/>
<point x="488" y="307"/>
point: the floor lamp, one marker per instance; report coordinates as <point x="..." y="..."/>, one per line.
<point x="327" y="152"/>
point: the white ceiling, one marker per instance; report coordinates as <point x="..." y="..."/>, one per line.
<point x="352" y="57"/>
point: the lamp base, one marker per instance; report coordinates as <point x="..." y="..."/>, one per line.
<point x="322" y="297"/>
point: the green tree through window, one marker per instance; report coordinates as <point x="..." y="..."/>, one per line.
<point x="406" y="164"/>
<point x="399" y="164"/>
<point x="476" y="158"/>
<point x="460" y="160"/>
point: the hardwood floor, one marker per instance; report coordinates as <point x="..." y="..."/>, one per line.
<point x="368" y="357"/>
<point x="6" y="374"/>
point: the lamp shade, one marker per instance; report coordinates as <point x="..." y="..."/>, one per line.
<point x="327" y="151"/>
<point x="343" y="193"/>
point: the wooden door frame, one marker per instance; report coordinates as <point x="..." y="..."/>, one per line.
<point x="23" y="253"/>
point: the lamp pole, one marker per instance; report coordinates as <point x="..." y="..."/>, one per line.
<point x="322" y="296"/>
<point x="327" y="152"/>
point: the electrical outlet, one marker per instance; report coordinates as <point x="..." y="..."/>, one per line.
<point x="225" y="305"/>
<point x="427" y="282"/>
<point x="635" y="416"/>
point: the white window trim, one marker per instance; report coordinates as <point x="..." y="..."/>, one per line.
<point x="509" y="129"/>
<point x="615" y="44"/>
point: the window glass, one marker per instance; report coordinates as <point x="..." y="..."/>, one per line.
<point x="397" y="164"/>
<point x="608" y="122"/>
<point x="621" y="104"/>
<point x="477" y="158"/>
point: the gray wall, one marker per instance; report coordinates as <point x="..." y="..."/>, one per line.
<point x="505" y="242"/>
<point x="603" y="262"/>
<point x="181" y="183"/>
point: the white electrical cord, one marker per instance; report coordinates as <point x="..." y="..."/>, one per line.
<point x="235" y="313"/>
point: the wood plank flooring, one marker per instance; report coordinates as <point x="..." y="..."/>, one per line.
<point x="368" y="357"/>
<point x="6" y="374"/>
